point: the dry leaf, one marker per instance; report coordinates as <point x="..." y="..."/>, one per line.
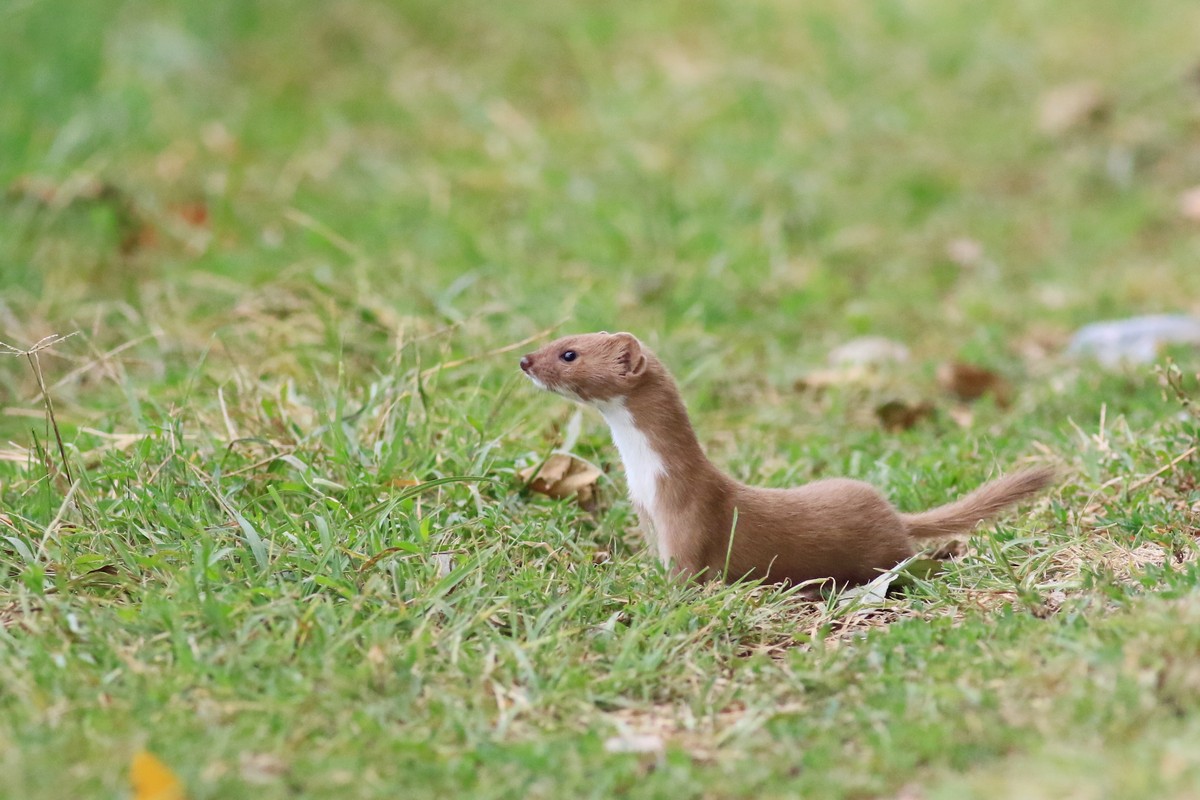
<point x="897" y="415"/>
<point x="81" y="188"/>
<point x="561" y="476"/>
<point x="869" y="595"/>
<point x="153" y="780"/>
<point x="968" y="382"/>
<point x="1189" y="204"/>
<point x="1071" y="106"/>
<point x="194" y="214"/>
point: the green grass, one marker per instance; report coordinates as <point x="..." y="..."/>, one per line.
<point x="294" y="241"/>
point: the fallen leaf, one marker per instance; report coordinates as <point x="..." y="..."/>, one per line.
<point x="194" y="214"/>
<point x="153" y="780"/>
<point x="561" y="476"/>
<point x="968" y="382"/>
<point x="81" y="188"/>
<point x="1189" y="204"/>
<point x="1070" y="106"/>
<point x="897" y="415"/>
<point x="869" y="595"/>
<point x="144" y="237"/>
<point x="586" y="497"/>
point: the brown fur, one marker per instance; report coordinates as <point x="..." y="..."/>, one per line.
<point x="836" y="528"/>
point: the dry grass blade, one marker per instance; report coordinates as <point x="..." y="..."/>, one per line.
<point x="1145" y="481"/>
<point x="36" y="364"/>
<point x="99" y="359"/>
<point x="325" y="232"/>
<point x="508" y="348"/>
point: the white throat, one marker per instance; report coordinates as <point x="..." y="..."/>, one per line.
<point x="643" y="465"/>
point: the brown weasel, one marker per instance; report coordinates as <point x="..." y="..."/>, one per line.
<point x="836" y="528"/>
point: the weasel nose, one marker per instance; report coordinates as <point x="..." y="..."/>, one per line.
<point x="526" y="363"/>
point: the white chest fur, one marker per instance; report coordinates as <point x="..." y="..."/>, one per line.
<point x="643" y="465"/>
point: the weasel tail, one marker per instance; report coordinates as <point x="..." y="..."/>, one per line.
<point x="984" y="503"/>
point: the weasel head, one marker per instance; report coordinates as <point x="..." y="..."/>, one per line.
<point x="589" y="367"/>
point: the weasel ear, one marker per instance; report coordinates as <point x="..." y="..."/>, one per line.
<point x="633" y="358"/>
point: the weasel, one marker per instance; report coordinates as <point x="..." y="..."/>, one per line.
<point x="705" y="524"/>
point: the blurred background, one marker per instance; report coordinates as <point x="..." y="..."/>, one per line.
<point x="280" y="187"/>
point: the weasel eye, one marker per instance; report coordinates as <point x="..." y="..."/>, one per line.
<point x="569" y="356"/>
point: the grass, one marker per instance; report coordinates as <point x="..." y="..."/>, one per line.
<point x="293" y="557"/>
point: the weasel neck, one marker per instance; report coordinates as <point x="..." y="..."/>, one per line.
<point x="657" y="444"/>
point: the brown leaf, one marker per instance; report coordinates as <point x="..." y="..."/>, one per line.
<point x="144" y="237"/>
<point x="1189" y="204"/>
<point x="1070" y="106"/>
<point x="968" y="382"/>
<point x="562" y="476"/>
<point x="586" y="497"/>
<point x="194" y="214"/>
<point x="135" y="231"/>
<point x="897" y="415"/>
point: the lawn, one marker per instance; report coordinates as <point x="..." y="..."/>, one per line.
<point x="277" y="534"/>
